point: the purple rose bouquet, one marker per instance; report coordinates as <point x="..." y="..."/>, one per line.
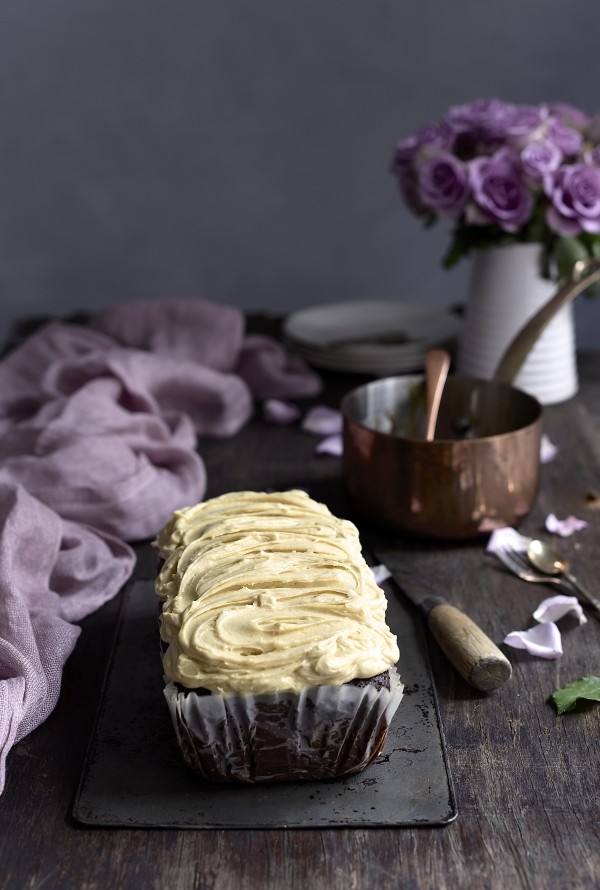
<point x="507" y="173"/>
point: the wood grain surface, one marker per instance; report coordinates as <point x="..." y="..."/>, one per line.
<point x="527" y="782"/>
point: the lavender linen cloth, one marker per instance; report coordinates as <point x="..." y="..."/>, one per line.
<point x="98" y="429"/>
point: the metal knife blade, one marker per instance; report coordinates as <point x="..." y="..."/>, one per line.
<point x="477" y="659"/>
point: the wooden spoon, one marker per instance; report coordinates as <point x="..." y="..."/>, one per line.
<point x="437" y="364"/>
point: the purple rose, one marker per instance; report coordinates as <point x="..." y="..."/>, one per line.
<point x="431" y="136"/>
<point x="406" y="158"/>
<point x="486" y="115"/>
<point x="443" y="182"/>
<point x="523" y="120"/>
<point x="575" y="195"/>
<point x="478" y="127"/>
<point x="540" y="159"/>
<point x="569" y="114"/>
<point x="500" y="192"/>
<point x="566" y="139"/>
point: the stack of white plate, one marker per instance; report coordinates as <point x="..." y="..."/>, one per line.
<point x="377" y="337"/>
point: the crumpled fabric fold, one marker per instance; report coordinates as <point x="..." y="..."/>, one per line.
<point x="98" y="431"/>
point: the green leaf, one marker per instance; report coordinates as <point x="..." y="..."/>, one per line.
<point x="567" y="697"/>
<point x="452" y="256"/>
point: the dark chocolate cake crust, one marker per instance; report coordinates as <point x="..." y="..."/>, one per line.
<point x="323" y="733"/>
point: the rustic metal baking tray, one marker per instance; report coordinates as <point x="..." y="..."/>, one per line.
<point x="133" y="775"/>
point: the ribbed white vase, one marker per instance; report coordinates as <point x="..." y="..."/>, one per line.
<point x="506" y="289"/>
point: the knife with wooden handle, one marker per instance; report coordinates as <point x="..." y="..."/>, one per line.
<point x="476" y="658"/>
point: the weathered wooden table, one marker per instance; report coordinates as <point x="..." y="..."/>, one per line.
<point x="527" y="782"/>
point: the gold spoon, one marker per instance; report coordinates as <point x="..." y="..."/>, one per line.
<point x="437" y="364"/>
<point x="547" y="559"/>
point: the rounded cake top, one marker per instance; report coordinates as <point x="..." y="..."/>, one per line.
<point x="265" y="592"/>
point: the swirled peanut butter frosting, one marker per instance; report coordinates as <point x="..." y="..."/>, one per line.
<point x="265" y="592"/>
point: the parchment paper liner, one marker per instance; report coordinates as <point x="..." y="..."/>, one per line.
<point x="319" y="733"/>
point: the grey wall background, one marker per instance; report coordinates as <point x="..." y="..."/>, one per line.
<point x="239" y="150"/>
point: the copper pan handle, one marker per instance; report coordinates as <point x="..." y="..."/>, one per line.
<point x="585" y="272"/>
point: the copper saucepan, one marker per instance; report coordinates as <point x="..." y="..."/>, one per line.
<point x="480" y="472"/>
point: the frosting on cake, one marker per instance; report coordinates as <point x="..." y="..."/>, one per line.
<point x="267" y="592"/>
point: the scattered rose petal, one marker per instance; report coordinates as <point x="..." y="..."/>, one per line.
<point x="564" y="527"/>
<point x="331" y="445"/>
<point x="556" y="607"/>
<point x="322" y="421"/>
<point x="543" y="640"/>
<point x="381" y="573"/>
<point x="503" y="538"/>
<point x="548" y="450"/>
<point x="279" y="412"/>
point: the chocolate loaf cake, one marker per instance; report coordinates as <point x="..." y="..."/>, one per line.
<point x="277" y="659"/>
